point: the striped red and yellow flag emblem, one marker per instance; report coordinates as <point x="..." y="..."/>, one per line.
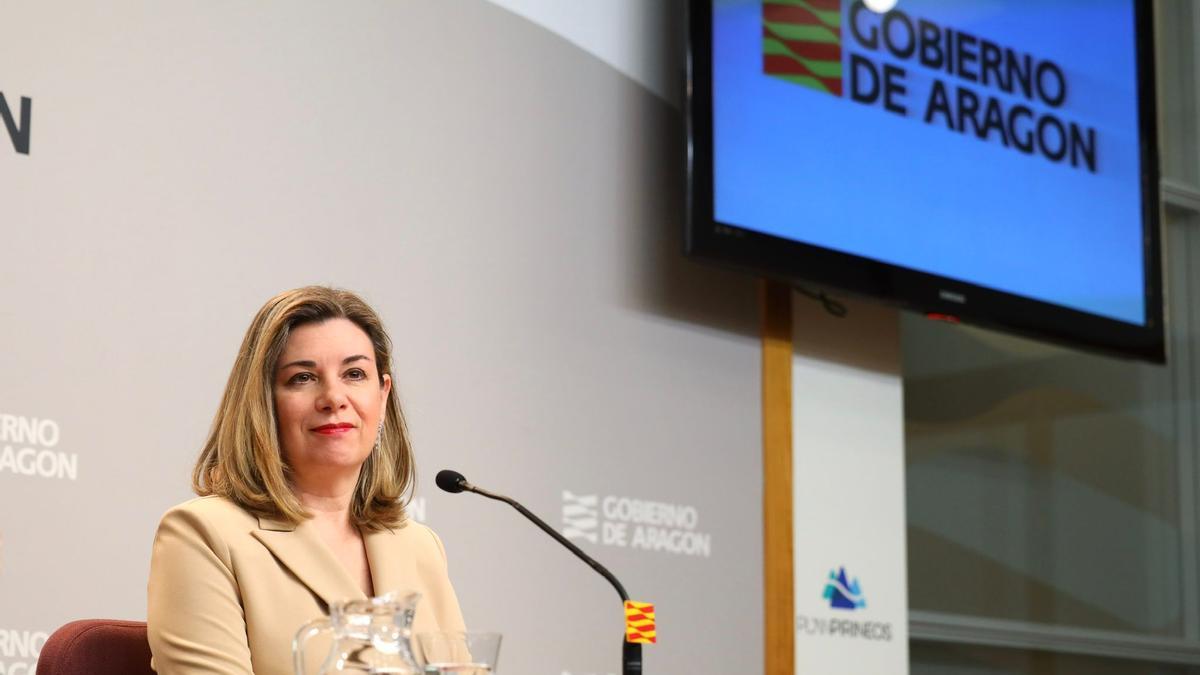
<point x="802" y="42"/>
<point x="639" y="622"/>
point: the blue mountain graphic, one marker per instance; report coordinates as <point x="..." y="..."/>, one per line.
<point x="843" y="594"/>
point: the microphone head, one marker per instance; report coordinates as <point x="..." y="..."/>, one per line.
<point x="451" y="481"/>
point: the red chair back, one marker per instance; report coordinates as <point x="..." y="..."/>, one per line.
<point x="97" y="647"/>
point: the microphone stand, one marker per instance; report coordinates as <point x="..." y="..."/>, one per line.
<point x="631" y="652"/>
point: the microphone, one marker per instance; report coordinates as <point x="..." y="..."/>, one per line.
<point x="451" y="481"/>
<point x="454" y="482"/>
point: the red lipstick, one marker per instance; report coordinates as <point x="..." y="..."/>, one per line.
<point x="333" y="429"/>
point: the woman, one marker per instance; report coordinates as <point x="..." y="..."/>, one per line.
<point x="301" y="484"/>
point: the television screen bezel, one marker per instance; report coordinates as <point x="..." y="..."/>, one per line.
<point x="796" y="262"/>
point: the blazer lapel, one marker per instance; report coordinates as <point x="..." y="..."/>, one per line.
<point x="391" y="561"/>
<point x="301" y="550"/>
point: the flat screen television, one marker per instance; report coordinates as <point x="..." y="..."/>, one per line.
<point x="993" y="161"/>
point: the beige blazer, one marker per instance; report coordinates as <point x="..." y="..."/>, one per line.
<point x="229" y="590"/>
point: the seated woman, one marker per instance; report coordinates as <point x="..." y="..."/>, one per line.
<point x="301" y="486"/>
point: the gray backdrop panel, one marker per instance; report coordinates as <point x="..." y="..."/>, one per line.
<point x="511" y="205"/>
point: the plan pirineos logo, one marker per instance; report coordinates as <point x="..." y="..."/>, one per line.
<point x="634" y="523"/>
<point x="18" y="125"/>
<point x="843" y="592"/>
<point x="976" y="86"/>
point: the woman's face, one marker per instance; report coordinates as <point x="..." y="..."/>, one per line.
<point x="328" y="399"/>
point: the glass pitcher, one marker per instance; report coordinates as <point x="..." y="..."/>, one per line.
<point x="369" y="636"/>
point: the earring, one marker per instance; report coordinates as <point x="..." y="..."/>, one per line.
<point x="378" y="437"/>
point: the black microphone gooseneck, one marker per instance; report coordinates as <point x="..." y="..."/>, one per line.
<point x="455" y="482"/>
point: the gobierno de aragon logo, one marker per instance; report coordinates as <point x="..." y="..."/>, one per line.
<point x="613" y="520"/>
<point x="20" y="649"/>
<point x="977" y="86"/>
<point x="29" y="447"/>
<point x="802" y="43"/>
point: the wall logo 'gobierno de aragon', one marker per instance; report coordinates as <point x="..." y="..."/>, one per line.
<point x="28" y="447"/>
<point x="634" y="523"/>
<point x="976" y="86"/>
<point x="20" y="649"/>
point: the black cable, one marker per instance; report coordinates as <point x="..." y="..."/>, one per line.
<point x="832" y="306"/>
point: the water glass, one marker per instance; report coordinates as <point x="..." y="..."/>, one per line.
<point x="458" y="652"/>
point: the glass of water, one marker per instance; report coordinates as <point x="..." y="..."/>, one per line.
<point x="458" y="652"/>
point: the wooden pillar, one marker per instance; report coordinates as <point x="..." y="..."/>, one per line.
<point x="779" y="598"/>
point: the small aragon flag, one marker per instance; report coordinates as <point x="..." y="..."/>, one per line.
<point x="639" y="622"/>
<point x="802" y="42"/>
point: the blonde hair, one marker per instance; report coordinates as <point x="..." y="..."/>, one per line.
<point x="242" y="460"/>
